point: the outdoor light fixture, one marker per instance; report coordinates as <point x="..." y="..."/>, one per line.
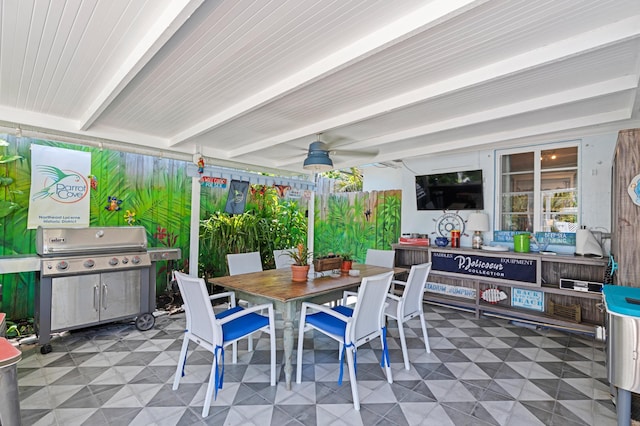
<point x="318" y="158"/>
<point x="479" y="223"/>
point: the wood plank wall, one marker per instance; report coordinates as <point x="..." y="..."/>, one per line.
<point x="625" y="238"/>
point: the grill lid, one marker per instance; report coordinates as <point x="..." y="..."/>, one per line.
<point x="69" y="241"/>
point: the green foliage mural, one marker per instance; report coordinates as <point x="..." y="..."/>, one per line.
<point x="154" y="193"/>
<point x="354" y="222"/>
<point x="268" y="223"/>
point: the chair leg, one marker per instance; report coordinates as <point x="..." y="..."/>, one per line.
<point x="300" y="345"/>
<point x="181" y="362"/>
<point x="212" y="384"/>
<point x="387" y="368"/>
<point x="403" y="344"/>
<point x="424" y="333"/>
<point x="352" y="379"/>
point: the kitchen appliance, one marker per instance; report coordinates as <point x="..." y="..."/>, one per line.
<point x="90" y="276"/>
<point x="622" y="345"/>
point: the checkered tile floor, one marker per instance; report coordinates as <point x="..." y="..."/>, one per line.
<point x="480" y="372"/>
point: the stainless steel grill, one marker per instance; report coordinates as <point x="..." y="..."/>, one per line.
<point x="90" y="276"/>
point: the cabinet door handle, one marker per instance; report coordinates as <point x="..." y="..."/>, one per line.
<point x="95" y="298"/>
<point x="600" y="306"/>
<point x="105" y="291"/>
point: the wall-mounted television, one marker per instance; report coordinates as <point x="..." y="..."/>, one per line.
<point x="450" y="191"/>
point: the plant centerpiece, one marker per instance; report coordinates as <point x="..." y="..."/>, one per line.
<point x="347" y="262"/>
<point x="300" y="267"/>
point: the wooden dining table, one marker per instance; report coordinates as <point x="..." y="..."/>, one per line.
<point x="275" y="286"/>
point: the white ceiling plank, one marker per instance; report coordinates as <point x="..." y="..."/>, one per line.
<point x="615" y="33"/>
<point x="164" y="28"/>
<point x="420" y="20"/>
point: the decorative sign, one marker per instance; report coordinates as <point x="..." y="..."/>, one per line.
<point x="507" y="268"/>
<point x="529" y="299"/>
<point x="60" y="187"/>
<point x="634" y="190"/>
<point x="213" y="182"/>
<point x="451" y="290"/>
<point x="555" y="238"/>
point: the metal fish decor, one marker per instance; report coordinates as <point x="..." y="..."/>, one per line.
<point x="493" y="295"/>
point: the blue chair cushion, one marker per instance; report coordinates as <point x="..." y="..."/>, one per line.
<point x="244" y="325"/>
<point x="328" y="323"/>
<point x="228" y="312"/>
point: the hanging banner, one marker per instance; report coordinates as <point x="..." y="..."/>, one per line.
<point x="237" y="197"/>
<point x="59" y="188"/>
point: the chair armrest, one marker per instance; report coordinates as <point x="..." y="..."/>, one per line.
<point x="247" y="311"/>
<point x="346" y="294"/>
<point x="398" y="282"/>
<point x="394" y="297"/>
<point x="323" y="308"/>
<point x="230" y="294"/>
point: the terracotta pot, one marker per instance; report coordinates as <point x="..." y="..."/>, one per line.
<point x="299" y="273"/>
<point x="346" y="266"/>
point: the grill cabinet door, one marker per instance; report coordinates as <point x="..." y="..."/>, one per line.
<point x="74" y="301"/>
<point x="120" y="294"/>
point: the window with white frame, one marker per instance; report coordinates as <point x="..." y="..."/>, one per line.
<point x="538" y="189"/>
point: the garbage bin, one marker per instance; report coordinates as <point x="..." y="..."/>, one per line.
<point x="9" y="399"/>
<point x="623" y="345"/>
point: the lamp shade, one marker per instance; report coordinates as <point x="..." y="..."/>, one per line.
<point x="318" y="158"/>
<point x="478" y="222"/>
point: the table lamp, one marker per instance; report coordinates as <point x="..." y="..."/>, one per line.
<point x="478" y="223"/>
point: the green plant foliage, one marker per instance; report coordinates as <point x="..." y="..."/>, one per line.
<point x="268" y="224"/>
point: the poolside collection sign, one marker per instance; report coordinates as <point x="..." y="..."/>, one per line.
<point x="514" y="269"/>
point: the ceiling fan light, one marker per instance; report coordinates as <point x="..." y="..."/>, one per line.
<point x="318" y="161"/>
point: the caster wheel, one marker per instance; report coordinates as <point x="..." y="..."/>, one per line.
<point x="145" y="322"/>
<point x="45" y="349"/>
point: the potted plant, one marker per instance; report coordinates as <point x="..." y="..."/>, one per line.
<point x="347" y="262"/>
<point x="300" y="267"/>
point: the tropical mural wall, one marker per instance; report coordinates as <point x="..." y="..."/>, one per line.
<point x="126" y="190"/>
<point x="352" y="222"/>
<point x="130" y="189"/>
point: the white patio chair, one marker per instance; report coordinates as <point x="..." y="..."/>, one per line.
<point x="410" y="305"/>
<point x="215" y="332"/>
<point x="244" y="263"/>
<point x="283" y="260"/>
<point x="384" y="258"/>
<point x="350" y="327"/>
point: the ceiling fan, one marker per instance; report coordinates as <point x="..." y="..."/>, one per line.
<point x="319" y="159"/>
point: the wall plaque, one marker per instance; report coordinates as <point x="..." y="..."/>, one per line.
<point x="506" y="268"/>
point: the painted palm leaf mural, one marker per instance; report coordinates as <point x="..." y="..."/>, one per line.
<point x="126" y="189"/>
<point x="356" y="221"/>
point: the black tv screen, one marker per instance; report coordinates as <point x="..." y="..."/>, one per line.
<point x="450" y="191"/>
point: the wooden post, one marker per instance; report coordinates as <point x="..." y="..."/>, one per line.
<point x="625" y="213"/>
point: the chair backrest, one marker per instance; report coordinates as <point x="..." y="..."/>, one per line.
<point x="201" y="321"/>
<point x="243" y="263"/>
<point x="283" y="260"/>
<point x="412" y="294"/>
<point x="368" y="314"/>
<point x="384" y="258"/>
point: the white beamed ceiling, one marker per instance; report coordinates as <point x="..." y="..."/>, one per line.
<point x="251" y="83"/>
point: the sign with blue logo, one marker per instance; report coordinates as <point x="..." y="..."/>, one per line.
<point x="528" y="299"/>
<point x="506" y="268"/>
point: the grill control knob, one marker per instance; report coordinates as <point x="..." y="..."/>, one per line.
<point x="113" y="261"/>
<point x="125" y="260"/>
<point x="89" y="263"/>
<point x="135" y="260"/>
<point x="62" y="266"/>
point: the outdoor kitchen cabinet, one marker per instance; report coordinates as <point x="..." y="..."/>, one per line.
<point x="92" y="299"/>
<point x="464" y="290"/>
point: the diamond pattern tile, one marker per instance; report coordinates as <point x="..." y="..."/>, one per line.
<point x="483" y="371"/>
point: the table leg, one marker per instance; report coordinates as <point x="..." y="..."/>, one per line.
<point x="288" y="317"/>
